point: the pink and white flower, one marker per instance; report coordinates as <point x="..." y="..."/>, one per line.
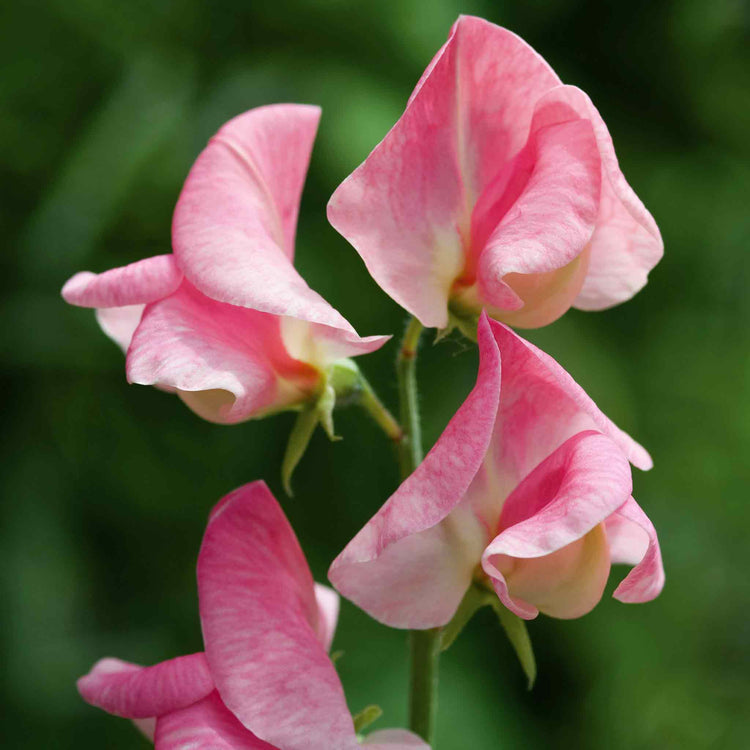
<point x="527" y="492"/>
<point x="265" y="680"/>
<point x="225" y="320"/>
<point x="498" y="188"/>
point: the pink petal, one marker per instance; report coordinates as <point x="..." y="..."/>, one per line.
<point x="119" y="323"/>
<point x="206" y="725"/>
<point x="405" y="568"/>
<point x="395" y="739"/>
<point x="234" y="224"/>
<point x="328" y="609"/>
<point x="626" y="244"/>
<point x="136" y="284"/>
<point x="545" y="227"/>
<point x="407" y="208"/>
<point x="261" y="627"/>
<point x="136" y="692"/>
<point x="567" y="583"/>
<point x="567" y="496"/>
<point x="624" y="528"/>
<point x="228" y="363"/>
<point x="541" y="406"/>
<point x="321" y="345"/>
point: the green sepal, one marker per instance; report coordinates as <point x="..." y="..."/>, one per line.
<point x="474" y="599"/>
<point x="318" y="412"/>
<point x="299" y="438"/>
<point x="366" y="716"/>
<point x="466" y="323"/>
<point x="518" y="635"/>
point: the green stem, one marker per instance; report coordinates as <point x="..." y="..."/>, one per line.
<point x="425" y="654"/>
<point x="370" y="402"/>
<point x="410" y="448"/>
<point x="424" y="644"/>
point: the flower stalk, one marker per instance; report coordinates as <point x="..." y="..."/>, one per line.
<point x="424" y="645"/>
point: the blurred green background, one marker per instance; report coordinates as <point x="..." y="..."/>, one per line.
<point x="106" y="487"/>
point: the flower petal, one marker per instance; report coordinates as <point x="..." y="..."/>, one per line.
<point x="407" y="208"/>
<point x="328" y="608"/>
<point x="539" y="219"/>
<point x="228" y="363"/>
<point x="567" y="583"/>
<point x="567" y="496"/>
<point x="394" y="739"/>
<point x="633" y="540"/>
<point x="541" y="406"/>
<point x="405" y="568"/>
<point x="135" y="284"/>
<point x="137" y="692"/>
<point x="206" y="725"/>
<point x="261" y="626"/>
<point x="626" y="244"/>
<point x="234" y="224"/>
<point x="119" y="323"/>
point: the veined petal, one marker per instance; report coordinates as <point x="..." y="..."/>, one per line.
<point x="234" y="223"/>
<point x="632" y="539"/>
<point x="541" y="406"/>
<point x="407" y="208"/>
<point x="406" y="568"/>
<point x="559" y="503"/>
<point x="137" y="692"/>
<point x="261" y="627"/>
<point x="206" y="725"/>
<point x="626" y="243"/>
<point x="542" y="229"/>
<point x="135" y="284"/>
<point x="321" y="345"/>
<point x="228" y="363"/>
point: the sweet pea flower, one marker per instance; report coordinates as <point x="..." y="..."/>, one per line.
<point x="527" y="492"/>
<point x="265" y="680"/>
<point x="498" y="188"/>
<point x="225" y="320"/>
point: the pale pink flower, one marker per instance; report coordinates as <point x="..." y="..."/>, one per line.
<point x="527" y="491"/>
<point x="498" y="188"/>
<point x="226" y="321"/>
<point x="265" y="680"/>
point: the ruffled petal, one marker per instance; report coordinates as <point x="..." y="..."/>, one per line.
<point x="206" y="725"/>
<point x="262" y="630"/>
<point x="135" y="284"/>
<point x="558" y="504"/>
<point x="137" y="692"/>
<point x="405" y="568"/>
<point x="407" y="208"/>
<point x="632" y="538"/>
<point x="234" y="224"/>
<point x="228" y="363"/>
<point x="626" y="243"/>
<point x="538" y="220"/>
<point x="541" y="406"/>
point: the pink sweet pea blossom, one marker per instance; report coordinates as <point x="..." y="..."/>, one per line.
<point x="265" y="680"/>
<point x="226" y="321"/>
<point x="498" y="188"/>
<point x="527" y="492"/>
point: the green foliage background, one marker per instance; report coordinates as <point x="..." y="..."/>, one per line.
<point x="106" y="487"/>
